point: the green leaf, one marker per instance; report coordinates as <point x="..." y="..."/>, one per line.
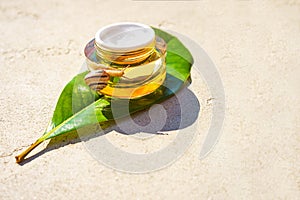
<point x="79" y="106"/>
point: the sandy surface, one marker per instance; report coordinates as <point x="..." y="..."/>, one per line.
<point x="255" y="46"/>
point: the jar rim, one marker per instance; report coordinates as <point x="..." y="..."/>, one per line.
<point x="124" y="36"/>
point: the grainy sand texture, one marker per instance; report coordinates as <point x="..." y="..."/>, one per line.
<point x="255" y="46"/>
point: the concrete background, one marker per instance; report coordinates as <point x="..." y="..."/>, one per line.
<point x="254" y="44"/>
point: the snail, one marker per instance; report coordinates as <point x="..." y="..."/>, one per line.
<point x="98" y="79"/>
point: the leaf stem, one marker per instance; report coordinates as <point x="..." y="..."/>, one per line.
<point x="21" y="156"/>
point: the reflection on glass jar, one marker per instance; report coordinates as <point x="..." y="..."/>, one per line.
<point x="132" y="48"/>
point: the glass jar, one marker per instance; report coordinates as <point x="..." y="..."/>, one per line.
<point x="131" y="48"/>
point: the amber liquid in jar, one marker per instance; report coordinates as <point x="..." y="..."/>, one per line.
<point x="146" y="71"/>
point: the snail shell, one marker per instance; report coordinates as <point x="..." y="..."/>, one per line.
<point x="97" y="80"/>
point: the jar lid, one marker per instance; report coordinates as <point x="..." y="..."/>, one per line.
<point x="125" y="36"/>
